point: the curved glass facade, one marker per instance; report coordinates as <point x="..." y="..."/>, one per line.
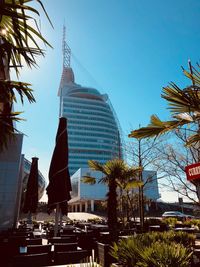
<point x="93" y="131"/>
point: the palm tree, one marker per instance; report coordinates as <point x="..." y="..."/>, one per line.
<point x="184" y="105"/>
<point x="17" y="44"/>
<point x="114" y="172"/>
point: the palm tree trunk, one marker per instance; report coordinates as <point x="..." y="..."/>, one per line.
<point x="112" y="210"/>
<point x="122" y="217"/>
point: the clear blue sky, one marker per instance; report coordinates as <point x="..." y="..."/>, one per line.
<point x="128" y="49"/>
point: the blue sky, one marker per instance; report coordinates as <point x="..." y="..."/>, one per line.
<point x="128" y="49"/>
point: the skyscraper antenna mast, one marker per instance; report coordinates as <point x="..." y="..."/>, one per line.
<point x="66" y="50"/>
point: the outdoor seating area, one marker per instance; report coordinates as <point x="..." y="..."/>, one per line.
<point x="78" y="242"/>
<point x="73" y="245"/>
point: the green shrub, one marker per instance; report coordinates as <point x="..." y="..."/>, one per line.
<point x="192" y="222"/>
<point x="184" y="238"/>
<point x="153" y="221"/>
<point x="170" y="221"/>
<point x="148" y="238"/>
<point x="134" y="251"/>
<point x="161" y="254"/>
<point x="95" y="220"/>
<point x="127" y="251"/>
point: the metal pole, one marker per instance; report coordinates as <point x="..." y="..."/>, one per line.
<point x="56" y="219"/>
<point x="141" y="193"/>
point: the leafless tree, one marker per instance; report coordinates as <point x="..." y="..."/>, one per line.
<point x="144" y="153"/>
<point x="174" y="157"/>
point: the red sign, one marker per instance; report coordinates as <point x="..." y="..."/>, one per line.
<point x="193" y="171"/>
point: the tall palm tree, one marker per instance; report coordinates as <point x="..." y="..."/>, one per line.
<point x="184" y="105"/>
<point x="114" y="171"/>
<point x="17" y="44"/>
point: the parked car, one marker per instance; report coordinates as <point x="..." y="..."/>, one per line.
<point x="177" y="214"/>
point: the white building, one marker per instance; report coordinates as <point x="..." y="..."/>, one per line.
<point x="84" y="196"/>
<point x="151" y="190"/>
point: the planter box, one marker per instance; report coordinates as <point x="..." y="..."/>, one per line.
<point x="104" y="258"/>
<point x="197" y="235"/>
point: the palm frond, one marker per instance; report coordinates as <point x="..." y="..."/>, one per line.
<point x="7" y="130"/>
<point x="182" y="101"/>
<point x="95" y="165"/>
<point x="88" y="180"/>
<point x="8" y="88"/>
<point x="19" y="32"/>
<point x="133" y="172"/>
<point x="184" y="105"/>
<point x="186" y="116"/>
<point x="132" y="184"/>
<point x="19" y="42"/>
<point x="157" y="128"/>
<point x="193" y="139"/>
<point x="194" y="76"/>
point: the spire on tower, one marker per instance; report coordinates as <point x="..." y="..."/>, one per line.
<point x="67" y="73"/>
<point x="66" y="50"/>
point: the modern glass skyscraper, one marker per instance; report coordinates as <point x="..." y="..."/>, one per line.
<point x="93" y="130"/>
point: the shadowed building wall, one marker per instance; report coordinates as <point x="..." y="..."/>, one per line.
<point x="10" y="183"/>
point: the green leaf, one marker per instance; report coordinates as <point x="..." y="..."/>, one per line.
<point x="88" y="180"/>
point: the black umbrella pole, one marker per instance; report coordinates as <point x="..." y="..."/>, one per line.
<point x="57" y="216"/>
<point x="61" y="217"/>
<point x="29" y="218"/>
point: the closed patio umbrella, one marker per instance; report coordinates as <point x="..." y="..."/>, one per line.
<point x="31" y="195"/>
<point x="59" y="187"/>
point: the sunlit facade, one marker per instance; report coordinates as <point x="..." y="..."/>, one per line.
<point x="93" y="130"/>
<point x="85" y="197"/>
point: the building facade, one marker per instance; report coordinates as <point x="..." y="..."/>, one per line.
<point x="10" y="183"/>
<point x="151" y="190"/>
<point x="93" y="130"/>
<point x="14" y="173"/>
<point x="85" y="197"/>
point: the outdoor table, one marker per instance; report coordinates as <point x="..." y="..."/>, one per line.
<point x="100" y="227"/>
<point x="104" y="237"/>
<point x="86" y="231"/>
<point x="154" y="228"/>
<point x="37" y="233"/>
<point x="185" y="229"/>
<point x="104" y="233"/>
